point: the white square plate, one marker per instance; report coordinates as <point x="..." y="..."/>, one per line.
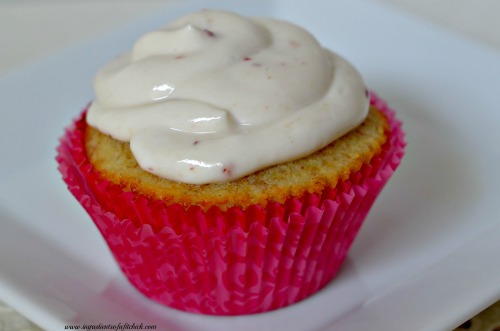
<point x="427" y="257"/>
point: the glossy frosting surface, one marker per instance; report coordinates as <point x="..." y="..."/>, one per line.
<point x="215" y="96"/>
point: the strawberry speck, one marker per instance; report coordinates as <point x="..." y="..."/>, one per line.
<point x="209" y="33"/>
<point x="179" y="57"/>
<point x="247" y="58"/>
<point x="228" y="171"/>
<point x="196" y="142"/>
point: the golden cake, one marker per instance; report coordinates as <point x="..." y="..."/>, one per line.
<point x="115" y="162"/>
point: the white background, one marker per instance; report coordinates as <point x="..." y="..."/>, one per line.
<point x="33" y="28"/>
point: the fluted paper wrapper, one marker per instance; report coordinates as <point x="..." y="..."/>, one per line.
<point x="237" y="261"/>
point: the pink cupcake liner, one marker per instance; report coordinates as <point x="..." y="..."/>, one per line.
<point x="238" y="261"/>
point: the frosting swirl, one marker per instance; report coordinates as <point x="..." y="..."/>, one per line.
<point x="214" y="96"/>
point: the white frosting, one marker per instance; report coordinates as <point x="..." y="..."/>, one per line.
<point x="214" y="96"/>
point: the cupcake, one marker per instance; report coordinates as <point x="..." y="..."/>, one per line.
<point x="229" y="162"/>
